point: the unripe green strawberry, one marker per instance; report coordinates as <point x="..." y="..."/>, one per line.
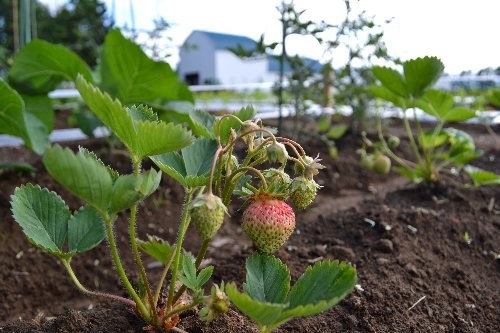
<point x="298" y="168"/>
<point x="393" y="141"/>
<point x="277" y="176"/>
<point x="367" y="161"/>
<point x="303" y="191"/>
<point x="207" y="214"/>
<point x="269" y="223"/>
<point x="276" y="152"/>
<point x="381" y="164"/>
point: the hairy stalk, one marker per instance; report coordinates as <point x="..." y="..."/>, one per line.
<point x="387" y="150"/>
<point x="121" y="271"/>
<point x="413" y="144"/>
<point x="212" y="169"/>
<point x="226" y="194"/>
<point x="69" y="269"/>
<point x="199" y="258"/>
<point x="220" y="122"/>
<point x="180" y="238"/>
<point x="162" y="279"/>
<point x="135" y="248"/>
<point x="295" y="144"/>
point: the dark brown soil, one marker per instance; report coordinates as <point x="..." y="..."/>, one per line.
<point x="416" y="272"/>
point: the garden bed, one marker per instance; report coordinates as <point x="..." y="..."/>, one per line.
<point x="417" y="271"/>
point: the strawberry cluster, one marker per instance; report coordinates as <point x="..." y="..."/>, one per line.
<point x="268" y="220"/>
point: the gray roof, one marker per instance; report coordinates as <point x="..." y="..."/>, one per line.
<point x="224" y="41"/>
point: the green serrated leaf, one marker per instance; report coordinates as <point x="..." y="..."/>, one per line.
<point x="142" y="137"/>
<point x="14" y="120"/>
<point x="85" y="230"/>
<point x="440" y="105"/>
<point x="43" y="216"/>
<point x="173" y="165"/>
<point x="459" y="114"/>
<point x="327" y="281"/>
<point x="128" y="190"/>
<point x="267" y="279"/>
<point x="131" y="76"/>
<point x="40" y="106"/>
<point x="192" y="167"/>
<point x="204" y="275"/>
<point x="337" y="131"/>
<point x="157" y="248"/>
<point x="142" y="113"/>
<point x="155" y="138"/>
<point x="40" y="66"/>
<point x="392" y="80"/>
<point x="265" y="314"/>
<point x="421" y="73"/>
<point x="82" y="173"/>
<point x="189" y="273"/>
<point x="385" y="94"/>
<point x="324" y="123"/>
<point x="109" y="111"/>
<point x="429" y="140"/>
<point x="482" y="177"/>
<point x="493" y="96"/>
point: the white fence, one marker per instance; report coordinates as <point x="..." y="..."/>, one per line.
<point x="265" y="110"/>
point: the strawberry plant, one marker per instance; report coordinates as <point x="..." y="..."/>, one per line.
<point x="26" y="110"/>
<point x="208" y="168"/>
<point x="434" y="151"/>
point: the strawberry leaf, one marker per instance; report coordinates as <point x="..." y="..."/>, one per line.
<point x="85" y="230"/>
<point x="391" y="79"/>
<point x="326" y="283"/>
<point x="482" y="177"/>
<point x="267" y="279"/>
<point x="157" y="248"/>
<point x="17" y="121"/>
<point x="265" y="314"/>
<point x="131" y="76"/>
<point x="43" y="215"/>
<point x="40" y="66"/>
<point x="82" y="173"/>
<point x="191" y="168"/>
<point x="136" y="126"/>
<point x="421" y="73"/>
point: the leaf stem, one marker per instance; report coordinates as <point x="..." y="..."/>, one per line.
<point x="133" y="244"/>
<point x="121" y="271"/>
<point x="162" y="278"/>
<point x="180" y="238"/>
<point x="66" y="263"/>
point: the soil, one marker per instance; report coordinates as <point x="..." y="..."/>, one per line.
<point x="416" y="270"/>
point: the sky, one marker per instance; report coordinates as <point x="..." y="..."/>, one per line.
<point x="464" y="34"/>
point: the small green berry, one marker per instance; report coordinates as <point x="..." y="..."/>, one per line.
<point x="303" y="191"/>
<point x="381" y="164"/>
<point x="207" y="214"/>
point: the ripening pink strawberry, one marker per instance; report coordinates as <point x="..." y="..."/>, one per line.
<point x="269" y="223"/>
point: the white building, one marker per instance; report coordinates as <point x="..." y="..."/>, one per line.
<point x="205" y="59"/>
<point x="455" y="82"/>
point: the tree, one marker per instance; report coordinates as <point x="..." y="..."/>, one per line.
<point x="80" y="25"/>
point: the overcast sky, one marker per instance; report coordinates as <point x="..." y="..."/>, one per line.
<point x="463" y="33"/>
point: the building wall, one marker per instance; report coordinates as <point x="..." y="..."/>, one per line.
<point x="197" y="56"/>
<point x="231" y="69"/>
